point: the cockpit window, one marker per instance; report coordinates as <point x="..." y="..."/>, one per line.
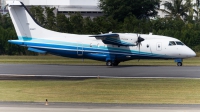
<point x="172" y="43"/>
<point x="179" y="43"/>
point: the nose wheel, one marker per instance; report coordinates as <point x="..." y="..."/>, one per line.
<point x="179" y="64"/>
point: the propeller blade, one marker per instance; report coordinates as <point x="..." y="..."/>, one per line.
<point x="140" y="39"/>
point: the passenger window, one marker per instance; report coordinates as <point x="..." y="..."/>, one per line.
<point x="179" y="43"/>
<point x="172" y="43"/>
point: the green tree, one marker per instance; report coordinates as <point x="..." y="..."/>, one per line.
<point x="5" y="21"/>
<point x="131" y="24"/>
<point x="88" y="26"/>
<point x="120" y="9"/>
<point x="37" y="13"/>
<point x="63" y="24"/>
<point x="77" y="22"/>
<point x="179" y="8"/>
<point x="50" y="18"/>
<point x="102" y="25"/>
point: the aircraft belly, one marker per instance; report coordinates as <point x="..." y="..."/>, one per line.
<point x="96" y="56"/>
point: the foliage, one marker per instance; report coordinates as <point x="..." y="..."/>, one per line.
<point x="77" y="23"/>
<point x="179" y="8"/>
<point x="37" y="13"/>
<point x="50" y="18"/>
<point x="63" y="24"/>
<point x="120" y="9"/>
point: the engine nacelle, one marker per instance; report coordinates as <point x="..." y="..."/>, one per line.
<point x="120" y="39"/>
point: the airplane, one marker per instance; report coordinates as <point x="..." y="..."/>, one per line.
<point x="112" y="48"/>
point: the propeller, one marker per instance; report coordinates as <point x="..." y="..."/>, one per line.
<point x="139" y="42"/>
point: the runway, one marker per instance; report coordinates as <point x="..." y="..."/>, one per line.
<point x="87" y="107"/>
<point x="42" y="71"/>
<point x="75" y="71"/>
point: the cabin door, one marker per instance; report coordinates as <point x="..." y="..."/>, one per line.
<point x="80" y="49"/>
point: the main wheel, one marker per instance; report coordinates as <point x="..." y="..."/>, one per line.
<point x="179" y="64"/>
<point x="108" y="63"/>
<point x="115" y="63"/>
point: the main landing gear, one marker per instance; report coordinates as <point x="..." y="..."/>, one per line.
<point x="110" y="63"/>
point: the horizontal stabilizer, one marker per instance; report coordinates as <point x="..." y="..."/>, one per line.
<point x="14" y="3"/>
<point x="17" y="42"/>
<point x="36" y="50"/>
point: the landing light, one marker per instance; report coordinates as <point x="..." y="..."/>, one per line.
<point x="128" y="56"/>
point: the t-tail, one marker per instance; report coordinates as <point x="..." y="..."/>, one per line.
<point x="25" y="25"/>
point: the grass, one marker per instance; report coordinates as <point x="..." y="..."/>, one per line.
<point x="162" y="91"/>
<point x="49" y="59"/>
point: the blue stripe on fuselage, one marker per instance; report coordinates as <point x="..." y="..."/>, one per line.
<point x="69" y="49"/>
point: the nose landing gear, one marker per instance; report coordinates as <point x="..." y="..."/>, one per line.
<point x="179" y="62"/>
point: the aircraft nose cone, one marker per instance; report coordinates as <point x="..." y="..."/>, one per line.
<point x="186" y="52"/>
<point x="191" y="53"/>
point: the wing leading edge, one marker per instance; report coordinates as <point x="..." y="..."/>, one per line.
<point x="113" y="39"/>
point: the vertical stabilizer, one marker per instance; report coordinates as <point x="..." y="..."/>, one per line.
<point x="25" y="25"/>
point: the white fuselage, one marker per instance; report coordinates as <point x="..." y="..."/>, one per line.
<point x="111" y="47"/>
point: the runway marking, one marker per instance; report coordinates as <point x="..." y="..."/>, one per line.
<point x="61" y="76"/>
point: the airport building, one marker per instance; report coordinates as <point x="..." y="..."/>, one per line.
<point x="84" y="7"/>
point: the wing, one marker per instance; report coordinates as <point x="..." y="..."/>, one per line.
<point x="113" y="38"/>
<point x="106" y="35"/>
